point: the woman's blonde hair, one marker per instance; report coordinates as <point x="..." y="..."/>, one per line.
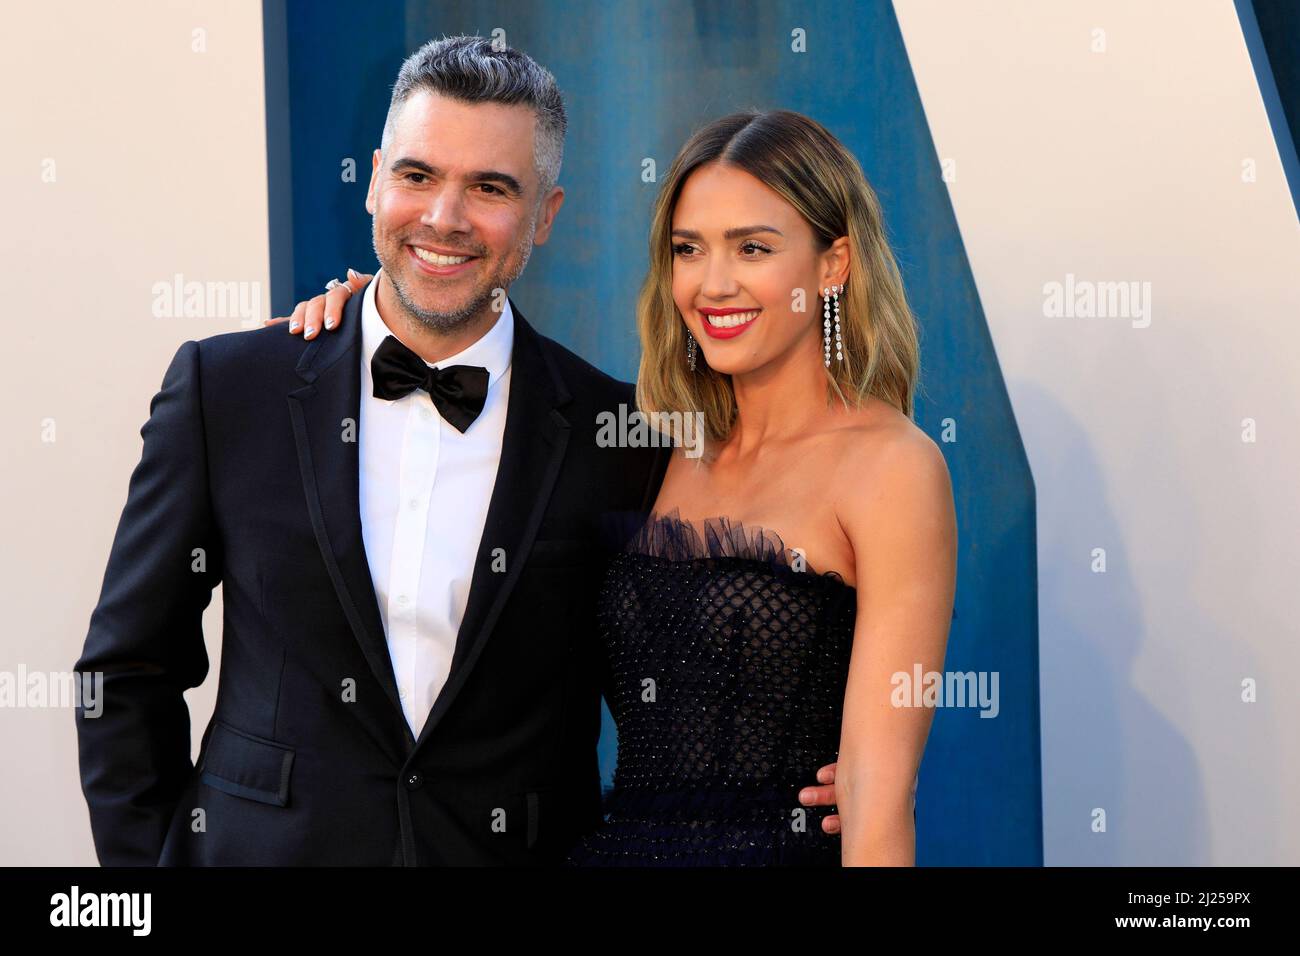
<point x="798" y="158"/>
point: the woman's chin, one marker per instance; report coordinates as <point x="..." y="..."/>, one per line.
<point x="726" y="365"/>
<point x="735" y="355"/>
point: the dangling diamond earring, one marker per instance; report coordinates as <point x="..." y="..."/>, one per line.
<point x="826" y="325"/>
<point x="690" y="350"/>
<point x="831" y="294"/>
<point x="839" y="343"/>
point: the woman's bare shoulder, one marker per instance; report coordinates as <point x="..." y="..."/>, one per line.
<point x="876" y="427"/>
<point x="882" y="448"/>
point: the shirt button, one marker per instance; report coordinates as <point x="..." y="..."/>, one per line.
<point x="414" y="503"/>
<point x="426" y="414"/>
<point x="401" y="692"/>
<point x="402" y="599"/>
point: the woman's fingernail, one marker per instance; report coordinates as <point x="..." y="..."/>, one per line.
<point x="308" y="333"/>
<point x="329" y="323"/>
<point x="293" y="326"/>
<point x="353" y="273"/>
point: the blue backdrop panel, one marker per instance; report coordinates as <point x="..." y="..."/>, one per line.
<point x="638" y="78"/>
<point x="1272" y="34"/>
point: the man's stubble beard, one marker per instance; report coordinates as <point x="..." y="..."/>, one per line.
<point x="447" y="322"/>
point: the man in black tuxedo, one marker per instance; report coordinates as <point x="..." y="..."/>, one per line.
<point x="387" y="696"/>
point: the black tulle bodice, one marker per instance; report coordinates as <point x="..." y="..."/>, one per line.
<point x="727" y="663"/>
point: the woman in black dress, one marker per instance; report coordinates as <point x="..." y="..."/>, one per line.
<point x="775" y="310"/>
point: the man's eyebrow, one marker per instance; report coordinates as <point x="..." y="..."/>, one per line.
<point x="740" y="232"/>
<point x="410" y="163"/>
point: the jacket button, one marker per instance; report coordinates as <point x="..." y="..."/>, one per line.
<point x="414" y="780"/>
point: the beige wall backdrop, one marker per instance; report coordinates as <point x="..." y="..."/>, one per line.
<point x="134" y="152"/>
<point x="1107" y="140"/>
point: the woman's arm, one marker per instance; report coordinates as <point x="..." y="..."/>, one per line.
<point x="902" y="525"/>
<point x="325" y="309"/>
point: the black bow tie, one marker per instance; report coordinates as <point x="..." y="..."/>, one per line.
<point x="458" y="392"/>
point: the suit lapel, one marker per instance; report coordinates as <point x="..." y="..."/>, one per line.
<point x="532" y="449"/>
<point x="325" y="414"/>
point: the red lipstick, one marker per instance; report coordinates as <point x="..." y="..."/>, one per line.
<point x="727" y="332"/>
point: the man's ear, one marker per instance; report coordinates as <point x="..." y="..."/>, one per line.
<point x="375" y="160"/>
<point x="550" y="206"/>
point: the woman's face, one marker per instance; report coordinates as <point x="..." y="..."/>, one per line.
<point x="741" y="254"/>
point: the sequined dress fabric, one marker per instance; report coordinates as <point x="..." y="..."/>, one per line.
<point x="727" y="662"/>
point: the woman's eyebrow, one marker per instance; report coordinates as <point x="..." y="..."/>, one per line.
<point x="739" y="232"/>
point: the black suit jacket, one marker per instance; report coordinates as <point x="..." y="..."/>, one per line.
<point x="249" y="478"/>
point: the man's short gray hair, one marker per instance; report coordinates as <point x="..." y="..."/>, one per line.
<point x="470" y="69"/>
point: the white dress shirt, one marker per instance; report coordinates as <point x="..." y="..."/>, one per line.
<point x="425" y="489"/>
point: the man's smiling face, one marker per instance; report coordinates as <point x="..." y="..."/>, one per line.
<point x="455" y="205"/>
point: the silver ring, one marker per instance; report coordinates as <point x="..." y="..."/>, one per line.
<point x="335" y="283"/>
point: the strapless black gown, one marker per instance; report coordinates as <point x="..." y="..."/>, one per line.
<point x="727" y="667"/>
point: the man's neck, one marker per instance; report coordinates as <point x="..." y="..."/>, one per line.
<point x="431" y="345"/>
